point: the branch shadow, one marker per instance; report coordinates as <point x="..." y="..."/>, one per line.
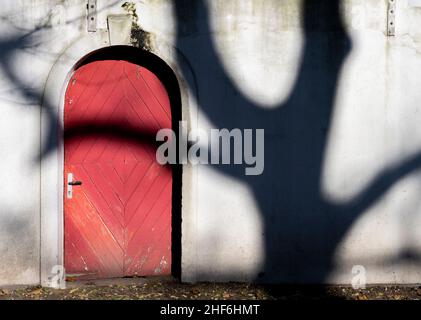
<point x="301" y="228"/>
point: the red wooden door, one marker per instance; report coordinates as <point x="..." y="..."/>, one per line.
<point x="117" y="222"/>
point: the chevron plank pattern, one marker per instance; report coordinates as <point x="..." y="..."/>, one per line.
<point x="118" y="222"/>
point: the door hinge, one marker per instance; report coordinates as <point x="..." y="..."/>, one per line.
<point x="91" y="6"/>
<point x="391" y="9"/>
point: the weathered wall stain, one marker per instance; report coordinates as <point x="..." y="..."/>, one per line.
<point x="139" y="38"/>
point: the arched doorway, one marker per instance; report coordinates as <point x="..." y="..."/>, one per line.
<point x="121" y="208"/>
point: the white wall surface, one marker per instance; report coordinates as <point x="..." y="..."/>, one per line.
<point x="270" y="228"/>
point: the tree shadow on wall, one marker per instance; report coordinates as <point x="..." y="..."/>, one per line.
<point x="32" y="41"/>
<point x="302" y="229"/>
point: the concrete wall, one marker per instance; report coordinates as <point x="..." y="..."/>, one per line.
<point x="340" y="109"/>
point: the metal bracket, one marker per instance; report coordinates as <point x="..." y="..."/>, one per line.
<point x="91" y="6"/>
<point x="391" y="8"/>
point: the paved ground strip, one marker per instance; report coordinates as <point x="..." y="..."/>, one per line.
<point x="141" y="289"/>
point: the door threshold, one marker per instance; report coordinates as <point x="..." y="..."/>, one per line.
<point x="126" y="281"/>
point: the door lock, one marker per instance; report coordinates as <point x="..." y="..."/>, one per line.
<point x="70" y="184"/>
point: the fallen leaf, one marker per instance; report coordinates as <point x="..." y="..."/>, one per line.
<point x="36" y="292"/>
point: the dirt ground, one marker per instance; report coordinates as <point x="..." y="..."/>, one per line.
<point x="142" y="289"/>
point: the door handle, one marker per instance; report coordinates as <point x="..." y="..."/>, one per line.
<point x="75" y="183"/>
